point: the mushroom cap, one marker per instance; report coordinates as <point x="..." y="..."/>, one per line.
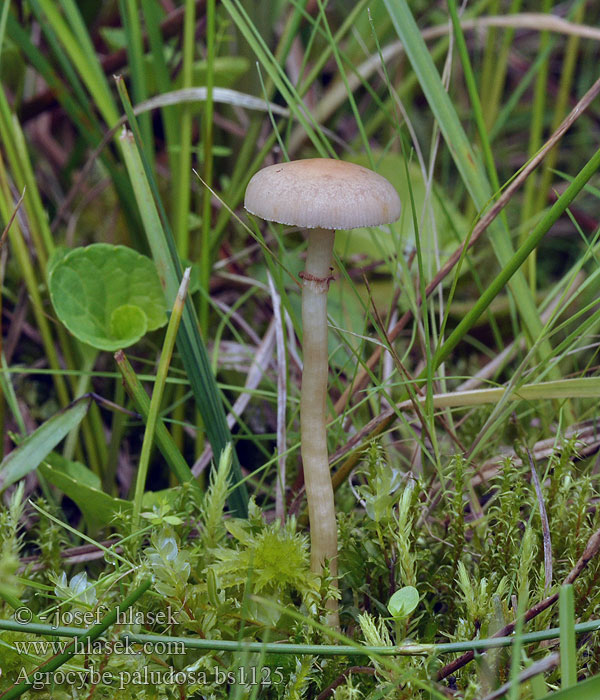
<point x="322" y="193"/>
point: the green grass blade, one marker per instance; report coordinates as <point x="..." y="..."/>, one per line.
<point x="466" y="162"/>
<point x="189" y="341"/>
<point x="135" y="51"/>
<point x="519" y="257"/>
<point x="157" y="394"/>
<point x="153" y="16"/>
<point x="277" y="75"/>
<point x="67" y="86"/>
<point x="37" y="446"/>
<point x="581" y="387"/>
<point x="22" y="254"/>
<point x="74" y="100"/>
<point x="182" y="174"/>
<point x="589" y="689"/>
<point x="568" y="650"/>
<point x="79" y="48"/>
<point x="205" y="238"/>
<point x="164" y="441"/>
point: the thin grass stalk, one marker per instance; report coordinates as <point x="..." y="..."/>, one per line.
<point x="3" y="19"/>
<point x="135" y="53"/>
<point x="562" y="203"/>
<point x="80" y="50"/>
<point x="481" y="226"/>
<point x="242" y="171"/>
<point x="243" y="168"/>
<point x="164" y="441"/>
<point x="64" y="80"/>
<point x="117" y="431"/>
<point x="311" y="649"/>
<point x="10" y="396"/>
<point x="169" y="117"/>
<point x="535" y="141"/>
<point x="580" y="387"/>
<point x="353" y="105"/>
<point x="429" y="368"/>
<point x="153" y="16"/>
<point x="277" y="74"/>
<point x="518" y="258"/>
<point x="31" y="282"/>
<point x="464" y="158"/>
<point x="44" y="246"/>
<point x="499" y="61"/>
<point x="282" y="374"/>
<point x="463" y="52"/>
<point x="490" y="54"/>
<point x="22" y="174"/>
<point x="568" y="649"/>
<point x="92" y="67"/>
<point x="95" y="462"/>
<point x="483" y="137"/>
<point x="181" y="191"/>
<point x="191" y="346"/>
<point x="5" y="383"/>
<point x="157" y="394"/>
<point x="324" y="56"/>
<point x="21" y="168"/>
<point x="564" y="90"/>
<point x="205" y="239"/>
<point x="78" y="110"/>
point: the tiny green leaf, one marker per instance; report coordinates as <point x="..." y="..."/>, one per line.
<point x="77" y="482"/>
<point x="403" y="602"/>
<point x="107" y="296"/>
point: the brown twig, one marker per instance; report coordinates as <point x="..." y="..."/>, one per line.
<point x="73" y="555"/>
<point x="12" y="218"/>
<point x="591" y="550"/>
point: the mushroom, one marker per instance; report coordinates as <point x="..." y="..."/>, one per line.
<point x="321" y="195"/>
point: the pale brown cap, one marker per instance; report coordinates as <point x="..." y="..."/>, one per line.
<point x="322" y="193"/>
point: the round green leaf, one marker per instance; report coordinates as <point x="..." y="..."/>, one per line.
<point x="107" y="296"/>
<point x="403" y="602"/>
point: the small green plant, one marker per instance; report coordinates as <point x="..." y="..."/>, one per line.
<point x="403" y="602"/>
<point x="107" y="296"/>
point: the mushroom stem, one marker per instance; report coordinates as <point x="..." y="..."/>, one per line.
<point x="315" y="460"/>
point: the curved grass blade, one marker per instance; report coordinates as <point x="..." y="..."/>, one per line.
<point x="189" y="341"/>
<point x="467" y="164"/>
<point x="37" y="446"/>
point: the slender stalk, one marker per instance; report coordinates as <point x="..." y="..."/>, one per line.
<point x="155" y="401"/>
<point x="568" y="650"/>
<point x="141" y="402"/>
<point x="315" y="460"/>
<point x="181" y="192"/>
<point x="309" y="649"/>
<point x="205" y="245"/>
